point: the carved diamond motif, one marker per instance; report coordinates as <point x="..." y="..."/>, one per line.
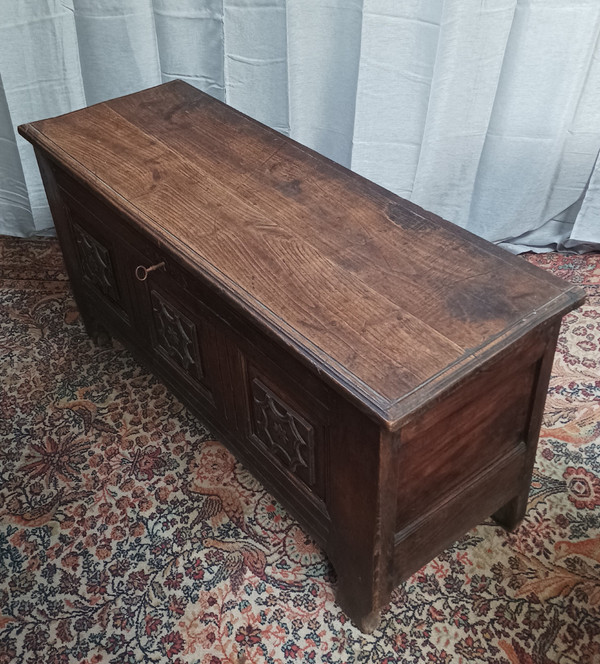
<point x="95" y="263"/>
<point x="286" y="435"/>
<point x="176" y="336"/>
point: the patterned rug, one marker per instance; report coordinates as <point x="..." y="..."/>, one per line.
<point x="105" y="555"/>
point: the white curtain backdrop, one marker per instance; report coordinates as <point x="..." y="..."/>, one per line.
<point x="486" y="112"/>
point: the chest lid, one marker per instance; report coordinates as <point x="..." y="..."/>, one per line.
<point x="389" y="302"/>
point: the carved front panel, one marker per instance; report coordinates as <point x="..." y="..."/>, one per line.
<point x="96" y="266"/>
<point x="286" y="434"/>
<point x="176" y="337"/>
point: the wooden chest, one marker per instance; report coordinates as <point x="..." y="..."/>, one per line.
<point x="382" y="371"/>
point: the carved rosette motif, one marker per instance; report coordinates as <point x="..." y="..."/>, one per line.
<point x="176" y="336"/>
<point x="285" y="434"/>
<point x="95" y="262"/>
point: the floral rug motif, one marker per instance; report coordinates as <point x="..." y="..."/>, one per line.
<point x="129" y="534"/>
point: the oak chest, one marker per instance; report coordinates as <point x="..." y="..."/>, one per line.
<point x="382" y="371"/>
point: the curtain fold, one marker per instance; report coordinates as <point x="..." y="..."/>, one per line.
<point x="41" y="76"/>
<point x="535" y="161"/>
<point x="469" y="60"/>
<point x="398" y="56"/>
<point x="117" y="44"/>
<point x="15" y="206"/>
<point x="190" y="40"/>
<point x="324" y="47"/>
<point x="483" y="111"/>
<point x="586" y="226"/>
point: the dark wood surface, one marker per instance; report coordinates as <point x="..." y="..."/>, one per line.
<point x="382" y="371"/>
<point x="392" y="303"/>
